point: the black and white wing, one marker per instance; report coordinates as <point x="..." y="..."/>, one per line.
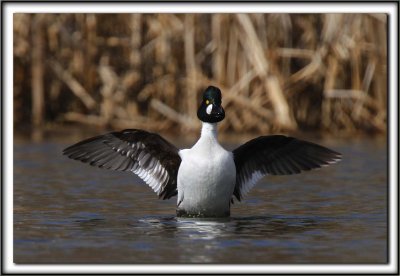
<point x="146" y="154"/>
<point x="277" y="155"/>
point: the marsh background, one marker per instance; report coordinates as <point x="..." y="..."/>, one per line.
<point x="322" y="77"/>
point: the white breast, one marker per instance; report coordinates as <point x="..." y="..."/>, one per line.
<point x="206" y="177"/>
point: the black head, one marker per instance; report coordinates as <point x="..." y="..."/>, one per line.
<point x="210" y="110"/>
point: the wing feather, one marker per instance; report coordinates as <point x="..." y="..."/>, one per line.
<point x="277" y="155"/>
<point x="146" y="154"/>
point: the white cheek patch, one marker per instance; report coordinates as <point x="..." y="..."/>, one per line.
<point x="209" y="109"/>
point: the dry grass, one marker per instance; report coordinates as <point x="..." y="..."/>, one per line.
<point x="277" y="72"/>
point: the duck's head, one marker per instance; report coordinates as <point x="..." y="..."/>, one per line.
<point x="210" y="110"/>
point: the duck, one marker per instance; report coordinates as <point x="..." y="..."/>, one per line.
<point x="206" y="178"/>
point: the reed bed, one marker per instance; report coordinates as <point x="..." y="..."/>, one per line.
<point x="277" y="72"/>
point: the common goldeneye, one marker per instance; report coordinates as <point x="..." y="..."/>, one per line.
<point x="205" y="177"/>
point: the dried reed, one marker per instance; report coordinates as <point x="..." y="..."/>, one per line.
<point x="278" y="72"/>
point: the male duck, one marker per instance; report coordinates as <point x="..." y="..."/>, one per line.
<point x="206" y="176"/>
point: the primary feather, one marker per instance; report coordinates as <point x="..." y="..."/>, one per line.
<point x="146" y="154"/>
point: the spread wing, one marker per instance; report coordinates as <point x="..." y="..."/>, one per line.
<point x="277" y="155"/>
<point x="146" y="154"/>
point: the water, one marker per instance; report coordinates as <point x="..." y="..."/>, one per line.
<point x="68" y="212"/>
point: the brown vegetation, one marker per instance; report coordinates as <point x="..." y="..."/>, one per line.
<point x="277" y="72"/>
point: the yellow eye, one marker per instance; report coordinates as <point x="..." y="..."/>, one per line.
<point x="207" y="101"/>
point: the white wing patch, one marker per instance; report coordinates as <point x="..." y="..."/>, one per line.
<point x="249" y="181"/>
<point x="150" y="170"/>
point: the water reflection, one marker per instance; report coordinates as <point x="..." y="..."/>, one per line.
<point x="201" y="240"/>
<point x="244" y="227"/>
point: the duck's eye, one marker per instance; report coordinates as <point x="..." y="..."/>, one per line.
<point x="207" y="101"/>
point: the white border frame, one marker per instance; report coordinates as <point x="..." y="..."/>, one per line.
<point x="15" y="7"/>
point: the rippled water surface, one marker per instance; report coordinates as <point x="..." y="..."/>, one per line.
<point x="68" y="212"/>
